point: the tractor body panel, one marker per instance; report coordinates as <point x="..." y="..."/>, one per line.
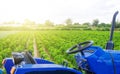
<point x="45" y="69"/>
<point x="42" y="66"/>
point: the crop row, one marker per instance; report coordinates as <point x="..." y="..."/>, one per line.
<point x="52" y="45"/>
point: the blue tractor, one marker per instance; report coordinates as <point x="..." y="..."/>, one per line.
<point x="90" y="59"/>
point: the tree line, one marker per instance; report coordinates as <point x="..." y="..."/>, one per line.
<point x="68" y="22"/>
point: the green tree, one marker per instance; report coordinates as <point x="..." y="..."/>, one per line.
<point x="9" y="22"/>
<point x="28" y="22"/>
<point x="95" y="22"/>
<point x="86" y="24"/>
<point x="68" y="22"/>
<point x="117" y="24"/>
<point x="49" y="23"/>
<point x="102" y="25"/>
<point x="76" y="23"/>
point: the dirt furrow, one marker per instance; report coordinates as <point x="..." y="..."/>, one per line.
<point x="47" y="52"/>
<point x="36" y="52"/>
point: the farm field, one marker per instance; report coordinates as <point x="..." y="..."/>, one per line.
<point x="52" y="44"/>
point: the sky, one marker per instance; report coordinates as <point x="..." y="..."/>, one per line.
<point x="58" y="10"/>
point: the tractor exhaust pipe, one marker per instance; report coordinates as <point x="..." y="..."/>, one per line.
<point x="110" y="44"/>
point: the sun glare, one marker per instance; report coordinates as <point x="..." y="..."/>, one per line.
<point x="19" y="10"/>
<point x="57" y="11"/>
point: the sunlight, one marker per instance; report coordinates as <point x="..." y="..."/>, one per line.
<point x="21" y="9"/>
<point x="56" y="11"/>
